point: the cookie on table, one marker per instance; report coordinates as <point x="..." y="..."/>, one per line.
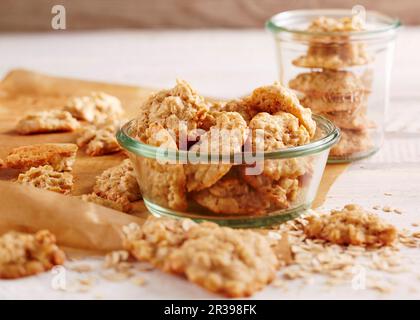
<point x="92" y="197"/>
<point x="155" y="239"/>
<point x="60" y="156"/>
<point x="94" y="108"/>
<point x="351" y="142"/>
<point x="24" y="254"/>
<point x="236" y="263"/>
<point x="351" y="225"/>
<point x="99" y="140"/>
<point x="45" y="177"/>
<point x="118" y="184"/>
<point x="47" y="121"/>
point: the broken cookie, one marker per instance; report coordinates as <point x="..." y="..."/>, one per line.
<point x="24" y="254"/>
<point x="118" y="184"/>
<point x="60" y="156"/>
<point x="106" y="202"/>
<point x="351" y="226"/>
<point x="47" y="121"/>
<point x="99" y="140"/>
<point x="95" y="108"/>
<point x="45" y="177"/>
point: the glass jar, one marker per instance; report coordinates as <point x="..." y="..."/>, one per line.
<point x="294" y="174"/>
<point x="339" y="64"/>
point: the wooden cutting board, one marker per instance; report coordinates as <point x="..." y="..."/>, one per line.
<point x="22" y="91"/>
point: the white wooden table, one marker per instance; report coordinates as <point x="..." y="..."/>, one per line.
<point x="227" y="64"/>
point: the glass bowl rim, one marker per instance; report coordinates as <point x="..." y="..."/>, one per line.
<point x="332" y="134"/>
<point x="271" y="25"/>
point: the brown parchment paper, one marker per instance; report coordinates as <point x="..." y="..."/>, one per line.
<point x="75" y="223"/>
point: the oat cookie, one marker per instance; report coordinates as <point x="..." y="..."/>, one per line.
<point x="236" y="263"/>
<point x="242" y="106"/>
<point x="180" y="110"/>
<point x="333" y="51"/>
<point x="164" y="181"/>
<point x="353" y="120"/>
<point x="45" y="177"/>
<point x="95" y="108"/>
<point x="61" y="156"/>
<point x="351" y="226"/>
<point x="124" y="207"/>
<point x="118" y="184"/>
<point x="275" y="98"/>
<point x="226" y="137"/>
<point x="330" y="91"/>
<point x="231" y="195"/>
<point x="280" y="130"/>
<point x="156" y="239"/>
<point x="351" y="142"/>
<point x="47" y="121"/>
<point x="278" y="184"/>
<point x="99" y="140"/>
<point x="23" y="254"/>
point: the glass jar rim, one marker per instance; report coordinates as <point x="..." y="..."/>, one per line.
<point x="331" y="136"/>
<point x="272" y="24"/>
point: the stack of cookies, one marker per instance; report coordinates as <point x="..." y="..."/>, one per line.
<point x="331" y="89"/>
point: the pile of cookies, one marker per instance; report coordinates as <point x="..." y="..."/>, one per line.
<point x="49" y="166"/>
<point x="180" y="119"/>
<point x="332" y="90"/>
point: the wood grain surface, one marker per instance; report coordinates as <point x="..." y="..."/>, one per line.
<point x="34" y="15"/>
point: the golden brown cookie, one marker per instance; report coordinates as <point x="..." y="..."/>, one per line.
<point x="334" y="50"/>
<point x="47" y="121"/>
<point x="236" y="263"/>
<point x="163" y="181"/>
<point x="351" y="225"/>
<point x="275" y="98"/>
<point x="226" y="137"/>
<point x="330" y="91"/>
<point x="351" y="120"/>
<point x="99" y="139"/>
<point x="118" y="184"/>
<point x="61" y="156"/>
<point x="180" y="110"/>
<point x="124" y="207"/>
<point x="45" y="177"/>
<point x="156" y="239"/>
<point x="24" y="254"/>
<point x="95" y="108"/>
<point x="232" y="195"/>
<point x="280" y="130"/>
<point x="351" y="142"/>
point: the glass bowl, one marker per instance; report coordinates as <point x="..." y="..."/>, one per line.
<point x="342" y="75"/>
<point x="260" y="189"/>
